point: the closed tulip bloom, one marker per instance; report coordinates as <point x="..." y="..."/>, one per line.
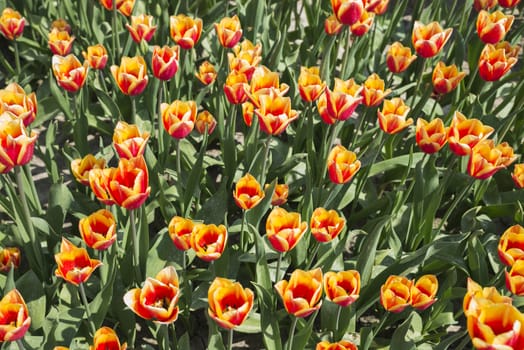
<point x="511" y="245"/>
<point x="332" y="25"/>
<point x="9" y="258"/>
<point x="248" y="192"/>
<point x="14" y="100"/>
<point x="323" y="111"/>
<point x="70" y="74"/>
<point x="14" y="317"/>
<point x="508" y="3"/>
<point x="361" y="27"/>
<point x="98" y="230"/>
<point x="423" y="292"/>
<point x="465" y="133"/>
<point x="208" y="241"/>
<point x="16" y="144"/>
<point x="131" y="76"/>
<point x="326" y="224"/>
<point x="484" y="4"/>
<point x="342" y="164"/>
<point x="74" y="264"/>
<point x="431" y="136"/>
<point x="229" y="302"/>
<point x="496" y="60"/>
<point x="229" y="31"/>
<point x="275" y="113"/>
<point x="180" y="230"/>
<point x="446" y="78"/>
<point x="99" y="183"/>
<point x="245" y="58"/>
<point x="185" y="31"/>
<point x="179" y="117"/>
<point x="164" y="61"/>
<point x="141" y="28"/>
<point x="399" y="57"/>
<point x="248" y="112"/>
<point x="348" y="11"/>
<point x="284" y="229"/>
<point x="342" y="288"/>
<point x="476" y="297"/>
<point x="374" y="91"/>
<point x="429" y="39"/>
<point x="340" y="345"/>
<point x="302" y="294"/>
<point x="518" y="175"/>
<point x="485" y="160"/>
<point x="11" y="23"/>
<point x="81" y="167"/>
<point x="125" y="7"/>
<point x="264" y="82"/>
<point x="492" y="27"/>
<point x="395" y="293"/>
<point x="207" y="73"/>
<point x="234" y="87"/>
<point x="60" y="42"/>
<point x="106" y="338"/>
<point x="392" y="117"/>
<point x="129" y="183"/>
<point x="96" y="56"/>
<point x="344" y="99"/>
<point x="310" y="85"/>
<point x="280" y="194"/>
<point x="515" y="278"/>
<point x="205" y="121"/>
<point x="379" y="7"/>
<point x="157" y="300"/>
<point x="128" y="141"/>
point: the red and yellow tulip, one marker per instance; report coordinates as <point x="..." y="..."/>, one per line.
<point x="518" y="175"/>
<point x="179" y="117"/>
<point x="284" y="229"/>
<point x="207" y="73"/>
<point x="310" y="85"/>
<point x="128" y="141"/>
<point x="16" y="144"/>
<point x="248" y="192"/>
<point x="229" y="302"/>
<point x="141" y="28"/>
<point x="9" y="258"/>
<point x="496" y="60"/>
<point x="342" y="164"/>
<point x="96" y="56"/>
<point x="11" y="23"/>
<point x="74" y="264"/>
<point x="60" y="42"/>
<point x="70" y="74"/>
<point x="209" y="241"/>
<point x="446" y="78"/>
<point x="392" y="117"/>
<point x="326" y="224"/>
<point x="164" y="61"/>
<point x="229" y="31"/>
<point x="399" y="57"/>
<point x="185" y="31"/>
<point x="492" y="27"/>
<point x="431" y="136"/>
<point x="374" y="91"/>
<point x="98" y="230"/>
<point x="14" y="100"/>
<point x="424" y="291"/>
<point x="131" y="76"/>
<point x="302" y="294"/>
<point x="464" y="134"/>
<point x="429" y="39"/>
<point x="14" y="317"/>
<point x="180" y="230"/>
<point x="128" y="184"/>
<point x="395" y="293"/>
<point x="106" y="338"/>
<point x="342" y="288"/>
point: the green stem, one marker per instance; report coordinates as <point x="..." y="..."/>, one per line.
<point x="103" y="81"/>
<point x="230" y="339"/>
<point x="160" y="136"/>
<point x="292" y="332"/>
<point x="277" y="272"/>
<point x="433" y="109"/>
<point x="163" y="336"/>
<point x="266" y="155"/>
<point x="175" y="340"/>
<point x="454" y="204"/>
<point x="419" y="81"/>
<point x="115" y="39"/>
<point x="339" y="311"/>
<point x="20" y="344"/>
<point x="133" y="110"/>
<point x="332" y="129"/>
<point x="17" y="58"/>
<point x="136" y="248"/>
<point x="242" y="234"/>
<point x="178" y="162"/>
<point x="86" y="306"/>
<point x="313" y="254"/>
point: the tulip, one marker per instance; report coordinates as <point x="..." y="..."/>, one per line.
<point x="492" y="27"/>
<point x="248" y="192"/>
<point x="310" y="86"/>
<point x="131" y="76"/>
<point x="508" y="3"/>
<point x="507" y="156"/>
<point x="275" y="113"/>
<point x="379" y="7"/>
<point x="205" y="121"/>
<point x="280" y="194"/>
<point x="14" y="320"/>
<point x="125" y="7"/>
<point x="348" y="12"/>
<point x="245" y="58"/>
<point x="9" y="258"/>
<point x="234" y="88"/>
<point x="11" y="23"/>
<point x="464" y="134"/>
<point x="431" y="136"/>
<point x="326" y="224"/>
<point x="61" y="24"/>
<point x="392" y="117"/>
<point x="485" y="160"/>
<point x="518" y="175"/>
<point x="395" y="293"/>
<point x="263" y="82"/>
<point x="284" y="229"/>
<point x="14" y="100"/>
<point x="69" y="72"/>
<point x="74" y="264"/>
<point x="476" y="297"/>
<point x="515" y="278"/>
<point x="446" y="78"/>
<point x="429" y="39"/>
<point x="60" y="42"/>
<point x="185" y="31"/>
<point x="208" y="241"/>
<point x="423" y="292"/>
<point x="399" y="57"/>
<point x="179" y="117"/>
<point x="340" y="345"/>
<point x="157" y="299"/>
<point x="128" y="185"/>
<point x="229" y="31"/>
<point x="99" y="183"/>
<point x="164" y="61"/>
<point x="332" y="26"/>
<point x="302" y="294"/>
<point x="323" y="111"/>
<point x="206" y="73"/>
<point x="96" y="56"/>
<point x="496" y="60"/>
<point x="484" y="4"/>
<point x="374" y="91"/>
<point x="180" y="230"/>
<point x="248" y="111"/>
<point x="361" y="27"/>
<point x="129" y="142"/>
<point x="344" y="99"/>
<point x="342" y="288"/>
<point x="106" y="338"/>
<point x="141" y="28"/>
<point x="16" y="145"/>
<point x="511" y="245"/>
<point x="98" y="230"/>
<point x="342" y="165"/>
<point x="229" y="302"/>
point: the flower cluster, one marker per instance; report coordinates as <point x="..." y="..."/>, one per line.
<point x="398" y="292"/>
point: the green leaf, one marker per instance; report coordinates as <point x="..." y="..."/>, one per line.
<point x="366" y="259"/>
<point x="268" y="323"/>
<point x="401" y="339"/>
<point x="31" y="289"/>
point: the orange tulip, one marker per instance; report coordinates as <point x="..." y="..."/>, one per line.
<point x="344" y="99"/>
<point x="245" y="58"/>
<point x="515" y="278"/>
<point x="395" y="293"/>
<point x="507" y="156"/>
<point x="206" y="73"/>
<point x="14" y="100"/>
<point x="511" y="245"/>
<point x="332" y="26"/>
<point x="302" y="294"/>
<point x="61" y="24"/>
<point x="424" y="291"/>
<point x="431" y="136"/>
<point x="125" y="7"/>
<point x="128" y="141"/>
<point x="9" y="258"/>
<point x="248" y="192"/>
<point x="61" y="348"/>
<point x="157" y="299"/>
<point x="446" y="78"/>
<point x="379" y="7"/>
<point x="81" y="167"/>
<point x="518" y="175"/>
<point x="234" y="87"/>
<point x="69" y="72"/>
<point x="476" y="297"/>
<point x="486" y="159"/>
<point x="340" y="345"/>
<point x="361" y="27"/>
<point x="208" y="241"/>
<point x="60" y="42"/>
<point x="323" y="111"/>
<point x="263" y="82"/>
<point x="392" y="117"/>
<point x="16" y="145"/>
<point x="348" y="11"/>
<point x="179" y="117"/>
<point x="275" y="113"/>
<point x="326" y="224"/>
<point x="374" y="91"/>
<point x="164" y="61"/>
<point x="492" y="27"/>
<point x="229" y="302"/>
<point x="248" y="111"/>
<point x="11" y="23"/>
<point x="284" y="229"/>
<point x="98" y="230"/>
<point x="508" y="3"/>
<point x="106" y="338"/>
<point x="280" y="194"/>
<point x="342" y="164"/>
<point x="96" y="56"/>
<point x="205" y="121"/>
<point x="429" y="39"/>
<point x="14" y="319"/>
<point x="496" y="60"/>
<point x="141" y="28"/>
<point x="185" y="31"/>
<point x="399" y="57"/>
<point x="99" y="183"/>
<point x="131" y="76"/>
<point x="74" y="264"/>
<point x="484" y="4"/>
<point x="180" y="230"/>
<point x="128" y="185"/>
<point x="342" y="288"/>
<point x="464" y="134"/>
<point x="310" y="85"/>
<point x="229" y="31"/>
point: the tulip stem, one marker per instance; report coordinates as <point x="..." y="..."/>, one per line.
<point x="136" y="250"/>
<point x="331" y="129"/>
<point x="116" y="44"/>
<point x="337" y="320"/>
<point x="17" y="58"/>
<point x="178" y="162"/>
<point x="20" y="344"/>
<point x="86" y="306"/>
<point x="133" y="110"/>
<point x="313" y="254"/>
<point x="230" y="339"/>
<point x="264" y="165"/>
<point x="102" y="80"/>
<point x="242" y="234"/>
<point x="277" y="272"/>
<point x="160" y="136"/>
<point x="292" y="332"/>
<point x="454" y="204"/>
<point x="419" y="81"/>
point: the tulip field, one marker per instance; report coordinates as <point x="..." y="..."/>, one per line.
<point x="261" y="174"/>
